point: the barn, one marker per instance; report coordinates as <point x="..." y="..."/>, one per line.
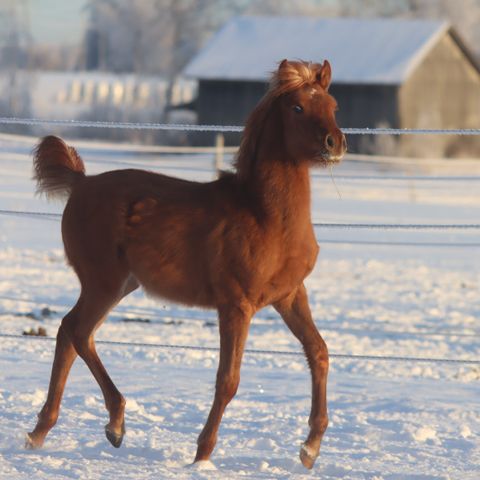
<point x="386" y="72"/>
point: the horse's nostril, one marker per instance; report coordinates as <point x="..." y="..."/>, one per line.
<point x="330" y="142"/>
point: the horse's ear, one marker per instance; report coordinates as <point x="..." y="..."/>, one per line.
<point x="282" y="64"/>
<point x="324" y="76"/>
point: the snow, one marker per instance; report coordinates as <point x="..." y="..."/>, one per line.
<point x="388" y="420"/>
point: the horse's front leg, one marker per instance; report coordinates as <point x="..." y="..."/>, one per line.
<point x="234" y="322"/>
<point x="296" y="313"/>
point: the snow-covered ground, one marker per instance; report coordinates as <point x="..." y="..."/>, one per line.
<point x="389" y="419"/>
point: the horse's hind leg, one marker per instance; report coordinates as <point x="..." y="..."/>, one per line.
<point x="96" y="303"/>
<point x="65" y="355"/>
<point x="296" y="314"/>
<point x="75" y="336"/>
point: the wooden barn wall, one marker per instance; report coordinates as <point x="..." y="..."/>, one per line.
<point x="227" y="103"/>
<point x="442" y="92"/>
<point x="230" y="102"/>
<point x="434" y="96"/>
<point x="361" y="106"/>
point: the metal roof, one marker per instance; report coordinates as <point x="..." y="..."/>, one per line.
<point x="369" y="51"/>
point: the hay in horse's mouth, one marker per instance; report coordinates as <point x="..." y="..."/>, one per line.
<point x="328" y="160"/>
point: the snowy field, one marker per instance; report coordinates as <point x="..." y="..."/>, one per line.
<point x="388" y="293"/>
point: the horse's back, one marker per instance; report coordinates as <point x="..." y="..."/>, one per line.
<point x="158" y="228"/>
<point x="112" y="196"/>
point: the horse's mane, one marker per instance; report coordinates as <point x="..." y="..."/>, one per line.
<point x="289" y="77"/>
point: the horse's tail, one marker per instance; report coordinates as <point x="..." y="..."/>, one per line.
<point x="57" y="167"/>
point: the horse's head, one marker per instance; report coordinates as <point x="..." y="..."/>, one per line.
<point x="308" y="112"/>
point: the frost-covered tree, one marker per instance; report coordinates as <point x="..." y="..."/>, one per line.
<point x="155" y="36"/>
<point x="160" y="36"/>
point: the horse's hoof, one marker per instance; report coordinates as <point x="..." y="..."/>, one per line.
<point x="113" y="437"/>
<point x="202" y="465"/>
<point x="30" y="443"/>
<point x="307" y="456"/>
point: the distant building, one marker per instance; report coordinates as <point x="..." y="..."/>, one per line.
<point x="75" y="94"/>
<point x="386" y="72"/>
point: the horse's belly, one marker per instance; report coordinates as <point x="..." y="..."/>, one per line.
<point x="173" y="277"/>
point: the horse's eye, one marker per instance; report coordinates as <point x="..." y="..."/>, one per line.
<point x="298" y="109"/>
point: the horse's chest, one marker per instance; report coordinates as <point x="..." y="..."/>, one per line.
<point x="298" y="264"/>
<point x="293" y="267"/>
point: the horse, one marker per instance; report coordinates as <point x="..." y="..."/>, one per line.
<point x="236" y="244"/>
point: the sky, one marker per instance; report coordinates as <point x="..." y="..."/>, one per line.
<point x="55" y="21"/>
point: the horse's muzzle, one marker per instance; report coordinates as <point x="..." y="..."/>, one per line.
<point x="335" y="144"/>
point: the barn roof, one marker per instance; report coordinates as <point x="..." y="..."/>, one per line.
<point x="369" y="51"/>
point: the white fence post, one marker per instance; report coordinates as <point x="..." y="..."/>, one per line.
<point x="219" y="151"/>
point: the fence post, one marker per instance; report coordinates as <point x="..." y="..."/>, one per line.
<point x="219" y="151"/>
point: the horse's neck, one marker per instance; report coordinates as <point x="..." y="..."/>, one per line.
<point x="279" y="186"/>
<point x="282" y="189"/>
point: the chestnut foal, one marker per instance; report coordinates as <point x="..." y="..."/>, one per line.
<point x="236" y="244"/>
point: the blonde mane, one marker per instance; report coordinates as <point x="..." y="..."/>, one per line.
<point x="289" y="77"/>
<point x="294" y="75"/>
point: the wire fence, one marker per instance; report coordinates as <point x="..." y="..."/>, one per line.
<point x="169" y="318"/>
<point x="406" y="178"/>
<point x="379" y="243"/>
<point x="155" y="163"/>
<point x="256" y="351"/>
<point x="274" y="352"/>
<point x="160" y="163"/>
<point x="323" y="225"/>
<point x="318" y="225"/>
<point x="220" y="128"/>
<point x="398" y="226"/>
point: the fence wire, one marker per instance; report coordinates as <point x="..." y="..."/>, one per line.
<point x="325" y="225"/>
<point x="256" y="351"/>
<point x="202" y="151"/>
<point x="154" y="318"/>
<point x="227" y="128"/>
<point x="221" y="128"/>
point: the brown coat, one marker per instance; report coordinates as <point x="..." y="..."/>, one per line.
<point x="236" y="244"/>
